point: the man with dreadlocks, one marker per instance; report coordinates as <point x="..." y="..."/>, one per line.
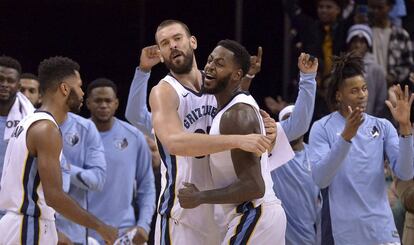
<point x="348" y="148"/>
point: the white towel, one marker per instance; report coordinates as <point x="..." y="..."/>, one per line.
<point x="21" y="108"/>
<point x="282" y="152"/>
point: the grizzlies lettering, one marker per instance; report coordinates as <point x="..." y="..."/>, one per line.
<point x="194" y="115"/>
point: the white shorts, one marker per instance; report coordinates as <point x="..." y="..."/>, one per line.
<point x="265" y="224"/>
<point x="172" y="232"/>
<point x="16" y="229"/>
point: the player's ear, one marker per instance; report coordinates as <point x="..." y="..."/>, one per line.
<point x="88" y="103"/>
<point x="237" y="75"/>
<point x="193" y="42"/>
<point x="116" y="104"/>
<point x="64" y="88"/>
<point x="338" y="96"/>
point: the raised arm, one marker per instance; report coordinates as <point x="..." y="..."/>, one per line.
<point x="93" y="173"/>
<point x="240" y="119"/>
<point x="399" y="150"/>
<point x="298" y="123"/>
<point x="255" y="66"/>
<point x="47" y="151"/>
<point x="169" y="130"/>
<point x="136" y="111"/>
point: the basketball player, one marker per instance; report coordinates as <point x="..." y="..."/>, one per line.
<point x="249" y="210"/>
<point x="128" y="167"/>
<point x="31" y="180"/>
<point x="347" y="151"/>
<point x="13" y="104"/>
<point x="181" y="117"/>
<point x="30" y="87"/>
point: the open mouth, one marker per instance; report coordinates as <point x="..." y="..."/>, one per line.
<point x="208" y="78"/>
<point x="176" y="55"/>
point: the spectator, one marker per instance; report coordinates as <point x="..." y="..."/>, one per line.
<point x="392" y="47"/>
<point x="323" y="37"/>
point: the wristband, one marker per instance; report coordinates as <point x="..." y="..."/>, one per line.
<point x="250" y="76"/>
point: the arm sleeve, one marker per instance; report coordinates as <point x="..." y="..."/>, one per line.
<point x="65" y="166"/>
<point x="298" y="123"/>
<point x="145" y="201"/>
<point x="399" y="152"/>
<point x="136" y="111"/>
<point x="325" y="159"/>
<point x="92" y="175"/>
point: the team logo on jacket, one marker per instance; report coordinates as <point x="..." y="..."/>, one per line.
<point x="121" y="143"/>
<point x="72" y="138"/>
<point x="373" y="131"/>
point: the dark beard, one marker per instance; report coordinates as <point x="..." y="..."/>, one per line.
<point x="221" y="85"/>
<point x="73" y="102"/>
<point x="183" y="68"/>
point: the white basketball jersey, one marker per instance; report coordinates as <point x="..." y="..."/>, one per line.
<point x="222" y="168"/>
<point x="196" y="111"/>
<point x="21" y="189"/>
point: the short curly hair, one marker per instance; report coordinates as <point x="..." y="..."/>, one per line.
<point x="9" y="62"/>
<point x="99" y="83"/>
<point x="29" y="76"/>
<point x="54" y="70"/>
<point x="241" y="55"/>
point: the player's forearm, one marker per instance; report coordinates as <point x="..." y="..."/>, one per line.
<point x="404" y="168"/>
<point x="188" y="144"/>
<point x="71" y="210"/>
<point x="245" y="83"/>
<point x="136" y="111"/>
<point x="298" y="123"/>
<point x="238" y="192"/>
<point x="146" y="203"/>
<point x="145" y="216"/>
<point x="88" y="179"/>
<point x="326" y="168"/>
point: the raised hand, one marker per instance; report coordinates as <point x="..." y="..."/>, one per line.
<point x="189" y="196"/>
<point x="307" y="63"/>
<point x="353" y="121"/>
<point x="401" y="109"/>
<point x="150" y="56"/>
<point x="256" y="62"/>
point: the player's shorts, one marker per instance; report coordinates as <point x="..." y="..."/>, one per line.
<point x="169" y="231"/>
<point x="16" y="229"/>
<point x="265" y="224"/>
